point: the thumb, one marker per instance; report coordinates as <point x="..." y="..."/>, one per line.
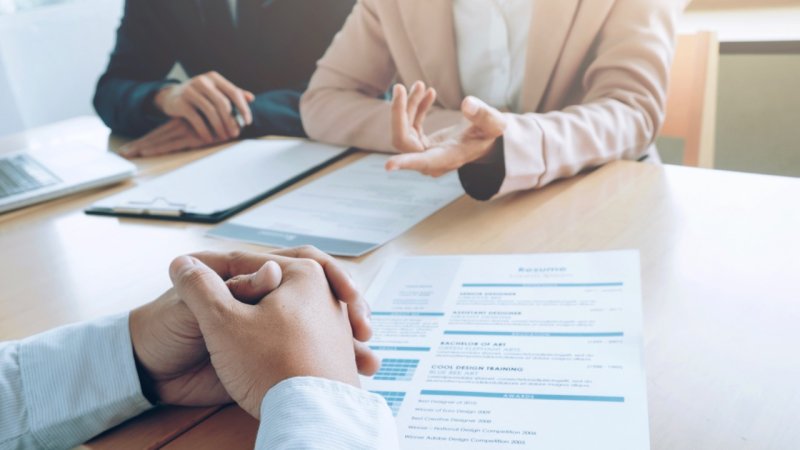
<point x="488" y="119"/>
<point x="201" y="289"/>
<point x="253" y="287"/>
<point x="367" y="361"/>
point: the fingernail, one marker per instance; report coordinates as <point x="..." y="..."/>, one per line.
<point x="180" y="265"/>
<point x="263" y="274"/>
<point x="470" y="106"/>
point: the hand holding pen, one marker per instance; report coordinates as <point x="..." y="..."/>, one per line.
<point x="206" y="110"/>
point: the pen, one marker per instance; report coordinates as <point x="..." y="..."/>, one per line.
<point x="237" y="116"/>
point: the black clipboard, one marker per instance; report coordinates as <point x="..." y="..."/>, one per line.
<point x="283" y="163"/>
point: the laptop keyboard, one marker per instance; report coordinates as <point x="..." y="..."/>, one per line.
<point x="21" y="173"/>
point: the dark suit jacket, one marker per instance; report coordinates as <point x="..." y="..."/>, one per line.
<point x="272" y="52"/>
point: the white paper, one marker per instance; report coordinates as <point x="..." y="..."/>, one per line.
<point x="517" y="351"/>
<point x="228" y="178"/>
<point x="348" y="212"/>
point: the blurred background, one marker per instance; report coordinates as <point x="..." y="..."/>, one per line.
<point x="53" y="51"/>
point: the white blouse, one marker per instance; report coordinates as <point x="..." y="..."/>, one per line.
<point x="492" y="41"/>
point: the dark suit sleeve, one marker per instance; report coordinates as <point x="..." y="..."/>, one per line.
<point x="481" y="180"/>
<point x="140" y="61"/>
<point x="276" y="113"/>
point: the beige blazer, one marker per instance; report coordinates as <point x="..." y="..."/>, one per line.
<point x="594" y="91"/>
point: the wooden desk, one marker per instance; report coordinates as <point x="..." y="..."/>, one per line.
<point x="720" y="264"/>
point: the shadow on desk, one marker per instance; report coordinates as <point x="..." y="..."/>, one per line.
<point x="154" y="429"/>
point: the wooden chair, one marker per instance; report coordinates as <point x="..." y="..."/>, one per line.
<point x="692" y="97"/>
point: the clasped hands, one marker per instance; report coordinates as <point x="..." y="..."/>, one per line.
<point x="237" y="324"/>
<point x="447" y="149"/>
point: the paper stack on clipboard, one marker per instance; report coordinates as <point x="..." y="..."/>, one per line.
<point x="216" y="187"/>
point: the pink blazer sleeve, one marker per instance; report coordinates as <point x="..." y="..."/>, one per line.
<point x="342" y="104"/>
<point x="619" y="115"/>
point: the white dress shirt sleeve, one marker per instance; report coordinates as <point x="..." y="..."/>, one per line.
<point x="60" y="388"/>
<point x="314" y="413"/>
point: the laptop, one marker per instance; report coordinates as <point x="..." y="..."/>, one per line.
<point x="36" y="175"/>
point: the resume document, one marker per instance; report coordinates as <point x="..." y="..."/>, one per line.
<point x="516" y="351"/>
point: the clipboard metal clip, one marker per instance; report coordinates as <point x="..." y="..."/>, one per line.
<point x="158" y="206"/>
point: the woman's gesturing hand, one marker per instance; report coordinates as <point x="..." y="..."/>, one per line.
<point x="447" y="149"/>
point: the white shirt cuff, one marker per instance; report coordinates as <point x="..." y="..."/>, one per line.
<point x="314" y="413"/>
<point x="79" y="380"/>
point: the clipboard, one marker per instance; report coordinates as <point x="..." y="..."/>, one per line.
<point x="218" y="186"/>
